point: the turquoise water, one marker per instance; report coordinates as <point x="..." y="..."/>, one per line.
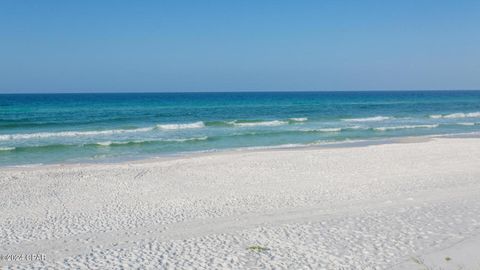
<point x="58" y="128"/>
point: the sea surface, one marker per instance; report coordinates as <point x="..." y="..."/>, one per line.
<point x="65" y="128"/>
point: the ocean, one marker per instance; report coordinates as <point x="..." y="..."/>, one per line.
<point x="71" y="128"/>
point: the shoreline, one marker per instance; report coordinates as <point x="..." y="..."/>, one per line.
<point x="330" y="207"/>
<point x="186" y="155"/>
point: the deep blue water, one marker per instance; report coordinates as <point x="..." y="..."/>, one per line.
<point x="57" y="128"/>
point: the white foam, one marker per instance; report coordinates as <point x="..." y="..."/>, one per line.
<point x="109" y="143"/>
<point x="356" y="127"/>
<point x="368" y="119"/>
<point x="7" y="148"/>
<point x="474" y="114"/>
<point x="41" y="135"/>
<point x="290" y="145"/>
<point x="298" y="119"/>
<point x="466" y="124"/>
<point x="328" y="142"/>
<point x="33" y="165"/>
<point x="198" y="124"/>
<point x="263" y="123"/>
<point x="405" y="127"/>
<point x="187" y="139"/>
<point x="456" y="115"/>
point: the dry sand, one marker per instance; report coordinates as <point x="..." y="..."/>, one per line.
<point x="390" y="206"/>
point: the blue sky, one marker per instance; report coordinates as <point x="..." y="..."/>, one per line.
<point x="85" y="46"/>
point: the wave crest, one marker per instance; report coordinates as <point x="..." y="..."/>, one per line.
<point x="298" y="119"/>
<point x="42" y="135"/>
<point x="259" y="123"/>
<point x="118" y="143"/>
<point x="405" y="127"/>
<point x="368" y="119"/>
<point x="198" y="124"/>
<point x="456" y="115"/>
<point x="329" y="129"/>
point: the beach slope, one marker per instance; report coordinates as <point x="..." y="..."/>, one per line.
<point x="403" y="205"/>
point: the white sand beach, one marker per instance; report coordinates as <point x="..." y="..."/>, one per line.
<point x="405" y="205"/>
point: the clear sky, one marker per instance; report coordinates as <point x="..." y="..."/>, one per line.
<point x="226" y="45"/>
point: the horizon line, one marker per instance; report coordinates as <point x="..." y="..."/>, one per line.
<point x="236" y="91"/>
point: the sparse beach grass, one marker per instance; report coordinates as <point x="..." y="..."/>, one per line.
<point x="257" y="248"/>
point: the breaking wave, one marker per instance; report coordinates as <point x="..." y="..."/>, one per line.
<point x="117" y="143"/>
<point x="198" y="124"/>
<point x="42" y="135"/>
<point x="404" y="127"/>
<point x="49" y="147"/>
<point x="368" y="119"/>
<point x="456" y="115"/>
<point x="258" y="123"/>
<point x="328" y="129"/>
<point x="298" y="119"/>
